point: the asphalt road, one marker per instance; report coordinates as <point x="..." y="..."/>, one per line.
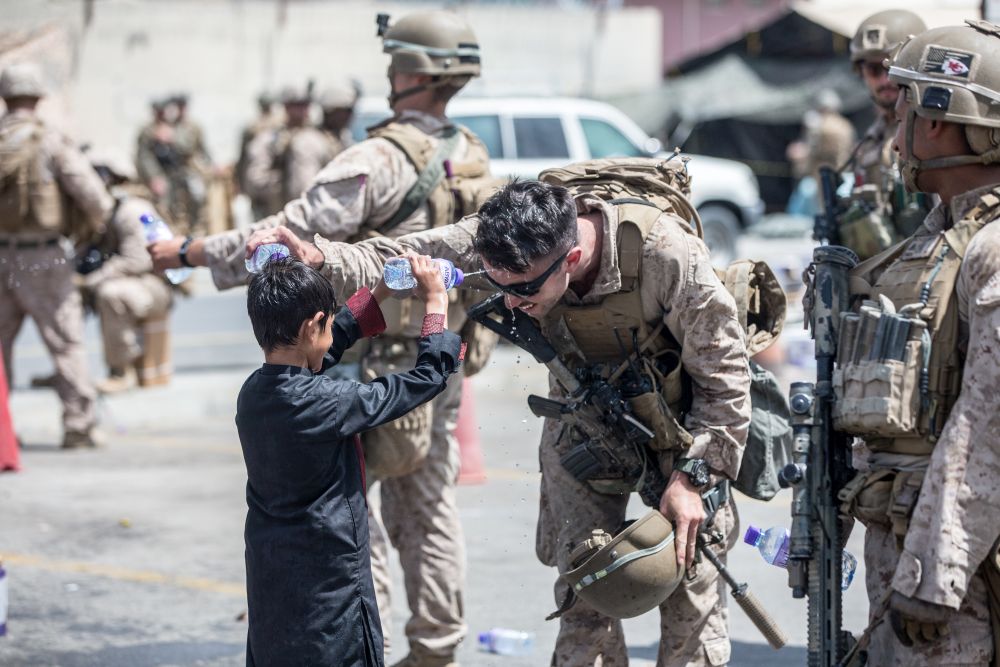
<point x="132" y="556"/>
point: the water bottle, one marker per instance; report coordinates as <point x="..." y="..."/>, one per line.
<point x="506" y="642"/>
<point x="157" y="230"/>
<point x="398" y="276"/>
<point x="773" y="546"/>
<point x="3" y="601"/>
<point x="264" y="254"/>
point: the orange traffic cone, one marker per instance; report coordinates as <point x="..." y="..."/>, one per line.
<point x="471" y="471"/>
<point x="9" y="455"/>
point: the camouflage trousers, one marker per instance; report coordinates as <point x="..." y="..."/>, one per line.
<point x="122" y="304"/>
<point x="419" y="514"/>
<point x="38" y="282"/>
<point x="694" y="620"/>
<point x="970" y="639"/>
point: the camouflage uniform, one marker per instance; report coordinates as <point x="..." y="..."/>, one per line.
<point x="679" y="288"/>
<point x="281" y="164"/>
<point x="264" y="125"/>
<point x="873" y="156"/>
<point x="829" y="143"/>
<point x="124" y="290"/>
<point x="952" y="530"/>
<point x="356" y="194"/>
<point x="36" y="277"/>
<point x="181" y="161"/>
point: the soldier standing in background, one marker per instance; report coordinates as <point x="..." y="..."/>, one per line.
<point x="266" y="122"/>
<point x="337" y="102"/>
<point x="879" y="212"/>
<point x="48" y="193"/>
<point x="117" y="273"/>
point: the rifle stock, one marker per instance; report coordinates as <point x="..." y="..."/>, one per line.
<point x="825" y="229"/>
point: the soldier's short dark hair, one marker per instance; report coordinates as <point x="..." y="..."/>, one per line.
<point x="523" y="222"/>
<point x="282" y="296"/>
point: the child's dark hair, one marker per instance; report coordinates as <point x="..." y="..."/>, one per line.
<point x="282" y="296"/>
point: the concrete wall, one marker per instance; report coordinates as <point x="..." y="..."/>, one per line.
<point x="223" y="52"/>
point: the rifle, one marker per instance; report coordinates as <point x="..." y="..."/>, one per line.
<point x="825" y="228"/>
<point x="613" y="442"/>
<point x="821" y="465"/>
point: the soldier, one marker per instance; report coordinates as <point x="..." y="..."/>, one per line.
<point x="266" y="122"/>
<point x="117" y="273"/>
<point x="879" y="212"/>
<point x="192" y="180"/>
<point x="559" y="257"/>
<point x="40" y="173"/>
<point x="337" y="101"/>
<point x="829" y="136"/>
<point x="415" y="171"/>
<point x="926" y="399"/>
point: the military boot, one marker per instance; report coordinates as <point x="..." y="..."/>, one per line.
<point x="118" y="380"/>
<point x="79" y="440"/>
<point x="419" y="657"/>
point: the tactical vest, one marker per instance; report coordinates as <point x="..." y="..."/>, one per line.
<point x="28" y="202"/>
<point x="899" y="359"/>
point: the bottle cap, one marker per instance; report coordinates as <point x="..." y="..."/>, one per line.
<point x="484" y="637"/>
<point x="459" y="276"/>
<point x="752" y="535"/>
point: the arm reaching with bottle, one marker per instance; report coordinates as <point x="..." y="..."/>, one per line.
<point x="430" y="289"/>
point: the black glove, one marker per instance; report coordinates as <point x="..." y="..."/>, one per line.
<point x="916" y="621"/>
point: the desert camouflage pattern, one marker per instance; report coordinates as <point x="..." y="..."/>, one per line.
<point x="679" y="288"/>
<point x="38" y="282"/>
<point x="873" y="156"/>
<point x="124" y="290"/>
<point x="954" y="529"/>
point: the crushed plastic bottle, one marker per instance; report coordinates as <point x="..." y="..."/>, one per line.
<point x="773" y="546"/>
<point x="398" y="276"/>
<point x="264" y="254"/>
<point x="503" y="641"/>
<point x="157" y="230"/>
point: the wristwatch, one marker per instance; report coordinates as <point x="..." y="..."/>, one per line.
<point x="182" y="253"/>
<point x="695" y="469"/>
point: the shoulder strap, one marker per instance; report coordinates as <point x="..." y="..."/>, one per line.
<point x="961" y="233"/>
<point x="635" y="218"/>
<point x="429" y="174"/>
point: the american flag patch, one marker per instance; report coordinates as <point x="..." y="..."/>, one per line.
<point x="948" y="62"/>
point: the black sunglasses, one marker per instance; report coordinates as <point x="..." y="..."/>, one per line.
<point x="531" y="287"/>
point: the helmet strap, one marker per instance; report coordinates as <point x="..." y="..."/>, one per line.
<point x="911" y="167"/>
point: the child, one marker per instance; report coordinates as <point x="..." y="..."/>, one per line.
<point x="309" y="582"/>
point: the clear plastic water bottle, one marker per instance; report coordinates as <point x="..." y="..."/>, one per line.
<point x="507" y="642"/>
<point x="3" y="601"/>
<point x="398" y="275"/>
<point x="264" y="254"/>
<point x="157" y="230"/>
<point x="773" y="546"/>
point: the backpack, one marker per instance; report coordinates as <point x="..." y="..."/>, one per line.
<point x="664" y="186"/>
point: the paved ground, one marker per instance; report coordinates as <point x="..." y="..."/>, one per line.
<point x="131" y="556"/>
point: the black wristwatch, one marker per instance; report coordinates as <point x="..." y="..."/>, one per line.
<point x="695" y="469"/>
<point x="182" y="253"/>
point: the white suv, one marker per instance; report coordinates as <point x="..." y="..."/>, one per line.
<point x="527" y="135"/>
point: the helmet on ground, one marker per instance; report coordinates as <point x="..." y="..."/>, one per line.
<point x="628" y="574"/>
<point x="952" y="74"/>
<point x="881" y="33"/>
<point x="22" y="80"/>
<point x="436" y="43"/>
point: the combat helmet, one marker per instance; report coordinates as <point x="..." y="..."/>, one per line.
<point x="434" y="43"/>
<point x="952" y="74"/>
<point x="21" y="80"/>
<point x="628" y="574"/>
<point x="116" y="162"/>
<point x="881" y="33"/>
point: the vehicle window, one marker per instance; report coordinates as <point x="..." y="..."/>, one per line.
<point x="605" y="140"/>
<point x="540" y="138"/>
<point x="487" y="128"/>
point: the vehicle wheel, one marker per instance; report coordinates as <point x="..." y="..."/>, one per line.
<point x="722" y="229"/>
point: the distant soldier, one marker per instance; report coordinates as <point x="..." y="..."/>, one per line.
<point x="880" y="211"/>
<point x="266" y="122"/>
<point x="118" y="276"/>
<point x="338" y="101"/>
<point x="48" y="193"/>
<point x="829" y="136"/>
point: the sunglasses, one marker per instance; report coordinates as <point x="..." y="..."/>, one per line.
<point x="531" y="287"/>
<point x="872" y="69"/>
